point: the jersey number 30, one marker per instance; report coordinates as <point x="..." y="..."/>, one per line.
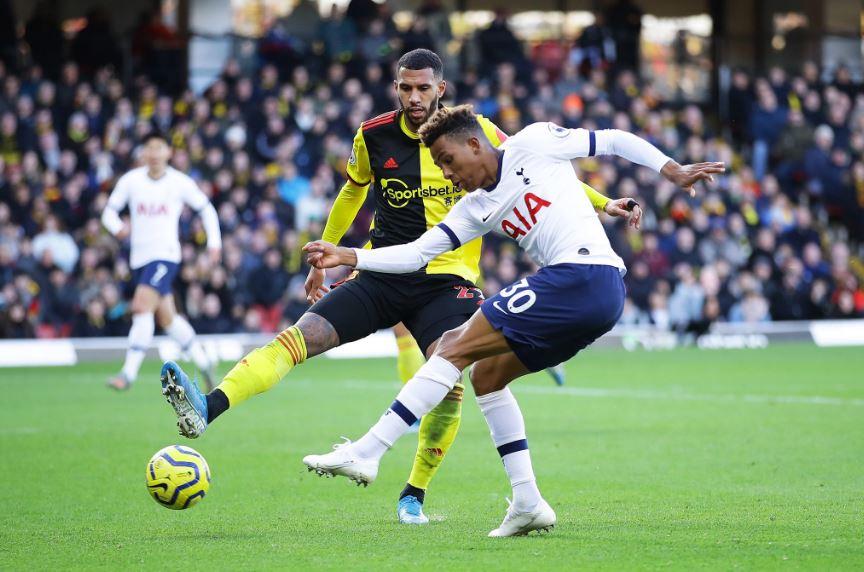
<point x="520" y="297"/>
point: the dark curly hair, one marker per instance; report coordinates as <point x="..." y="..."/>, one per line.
<point x="459" y="120"/>
<point x="420" y="59"/>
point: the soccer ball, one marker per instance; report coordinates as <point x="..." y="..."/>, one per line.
<point x="178" y="477"/>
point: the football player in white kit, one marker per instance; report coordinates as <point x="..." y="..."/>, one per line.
<point x="522" y="190"/>
<point x="155" y="194"/>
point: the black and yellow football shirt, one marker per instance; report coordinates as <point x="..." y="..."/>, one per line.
<point x="411" y="193"/>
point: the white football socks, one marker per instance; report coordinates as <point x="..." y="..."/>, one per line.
<point x="508" y="433"/>
<point x="419" y="396"/>
<point x="182" y="332"/>
<point x="140" y="338"/>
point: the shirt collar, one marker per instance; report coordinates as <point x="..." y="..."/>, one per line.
<point x="500" y="173"/>
<point x="404" y="126"/>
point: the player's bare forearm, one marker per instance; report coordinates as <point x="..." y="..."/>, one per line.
<point x="321" y="254"/>
<point x="685" y="176"/>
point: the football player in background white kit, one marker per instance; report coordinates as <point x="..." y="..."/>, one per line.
<point x="155" y="194"/>
<point x="522" y="190"/>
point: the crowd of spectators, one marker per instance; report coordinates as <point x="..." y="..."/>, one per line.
<point x="773" y="239"/>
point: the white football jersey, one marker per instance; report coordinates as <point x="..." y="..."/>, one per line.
<point x="155" y="207"/>
<point x="538" y="201"/>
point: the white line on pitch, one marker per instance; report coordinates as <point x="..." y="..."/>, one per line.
<point x="646" y="394"/>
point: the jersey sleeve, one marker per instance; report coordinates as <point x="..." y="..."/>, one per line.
<point x="119" y="197"/>
<point x="403" y="258"/>
<point x="492" y="132"/>
<point x="463" y="223"/>
<point x="117" y="201"/>
<point x="192" y="195"/>
<point x="565" y="144"/>
<point x="359" y="169"/>
<point x="598" y="199"/>
<point x="344" y="211"/>
<point x="457" y="228"/>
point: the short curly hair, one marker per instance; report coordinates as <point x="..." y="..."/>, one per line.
<point x="422" y="58"/>
<point x="459" y="120"/>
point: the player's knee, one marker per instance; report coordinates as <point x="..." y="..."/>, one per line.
<point x="319" y="335"/>
<point x="451" y="348"/>
<point x="139" y="306"/>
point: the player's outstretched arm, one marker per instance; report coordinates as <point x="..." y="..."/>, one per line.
<point x="397" y="259"/>
<point x="567" y="144"/>
<point x="639" y="151"/>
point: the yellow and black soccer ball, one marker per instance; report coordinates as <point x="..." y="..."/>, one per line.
<point x="178" y="477"/>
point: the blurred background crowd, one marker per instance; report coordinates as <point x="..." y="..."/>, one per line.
<point x="777" y="238"/>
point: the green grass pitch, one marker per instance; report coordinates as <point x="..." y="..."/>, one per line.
<point x="688" y="459"/>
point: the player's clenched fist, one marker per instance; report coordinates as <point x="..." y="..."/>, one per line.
<point x="322" y="254"/>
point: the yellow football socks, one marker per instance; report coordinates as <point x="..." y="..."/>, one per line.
<point x="438" y="430"/>
<point x="262" y="368"/>
<point x="409" y="359"/>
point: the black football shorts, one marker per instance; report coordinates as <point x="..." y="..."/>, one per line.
<point x="428" y="305"/>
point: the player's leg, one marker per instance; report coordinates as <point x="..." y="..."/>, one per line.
<point x="436" y="434"/>
<point x="409" y="358"/>
<point x="264" y="367"/>
<point x="547" y="319"/>
<point x="448" y="306"/>
<point x="457" y="349"/>
<point x="181" y="331"/>
<point x="344" y="315"/>
<point x="490" y="378"/>
<point x="154" y="280"/>
<point x="144" y="304"/>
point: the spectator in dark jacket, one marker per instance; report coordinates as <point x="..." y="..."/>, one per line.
<point x="766" y="123"/>
<point x="268" y="282"/>
<point x="92" y="323"/>
<point x="792" y="144"/>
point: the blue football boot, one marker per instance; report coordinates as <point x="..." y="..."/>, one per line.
<point x="410" y="511"/>
<point x="188" y="402"/>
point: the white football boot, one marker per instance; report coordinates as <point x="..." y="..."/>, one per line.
<point x="542" y="518"/>
<point x="345" y="462"/>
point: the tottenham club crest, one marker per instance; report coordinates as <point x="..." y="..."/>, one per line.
<point x="557" y="130"/>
